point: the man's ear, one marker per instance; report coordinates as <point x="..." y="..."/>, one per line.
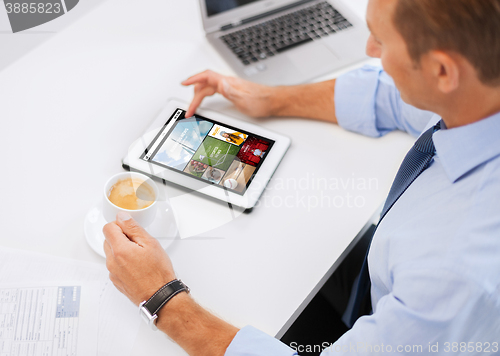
<point x="445" y="69"/>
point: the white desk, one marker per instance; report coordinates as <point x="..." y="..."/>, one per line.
<point x="70" y="108"/>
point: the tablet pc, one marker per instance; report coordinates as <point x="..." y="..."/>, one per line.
<point x="216" y="155"/>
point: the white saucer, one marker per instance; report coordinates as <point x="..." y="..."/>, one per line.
<point x="164" y="227"/>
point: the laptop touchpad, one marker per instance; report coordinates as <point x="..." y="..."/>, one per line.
<point x="311" y="55"/>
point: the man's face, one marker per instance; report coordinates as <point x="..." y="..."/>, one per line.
<point x="386" y="43"/>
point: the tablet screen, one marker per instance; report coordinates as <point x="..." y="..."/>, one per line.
<point x="207" y="150"/>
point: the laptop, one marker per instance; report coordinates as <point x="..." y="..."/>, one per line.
<point x="283" y="42"/>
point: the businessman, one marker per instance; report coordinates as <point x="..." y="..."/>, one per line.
<point x="433" y="267"/>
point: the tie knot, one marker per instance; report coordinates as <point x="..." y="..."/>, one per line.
<point x="424" y="143"/>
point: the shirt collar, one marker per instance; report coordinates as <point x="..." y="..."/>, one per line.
<point x="463" y="148"/>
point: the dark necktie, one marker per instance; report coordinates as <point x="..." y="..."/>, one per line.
<point x="416" y="161"/>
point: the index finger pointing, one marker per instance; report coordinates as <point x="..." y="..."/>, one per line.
<point x="207" y="77"/>
<point x="198" y="98"/>
<point x="197" y="78"/>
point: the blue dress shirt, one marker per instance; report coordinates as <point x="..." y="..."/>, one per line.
<point x="435" y="259"/>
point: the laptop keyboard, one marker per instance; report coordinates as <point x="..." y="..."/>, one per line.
<point x="256" y="43"/>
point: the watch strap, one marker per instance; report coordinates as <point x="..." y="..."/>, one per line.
<point x="163" y="295"/>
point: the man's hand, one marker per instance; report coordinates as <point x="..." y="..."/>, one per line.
<point x="250" y="98"/>
<point x="138" y="266"/>
<point x="311" y="101"/>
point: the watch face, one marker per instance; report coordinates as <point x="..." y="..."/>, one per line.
<point x="147" y="317"/>
<point x="153" y="323"/>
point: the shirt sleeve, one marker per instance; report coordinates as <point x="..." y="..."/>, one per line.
<point x="429" y="311"/>
<point x="250" y="341"/>
<point x="368" y="102"/>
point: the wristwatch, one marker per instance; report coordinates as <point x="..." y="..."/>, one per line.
<point x="149" y="308"/>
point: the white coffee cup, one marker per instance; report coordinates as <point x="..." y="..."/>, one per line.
<point x="143" y="216"/>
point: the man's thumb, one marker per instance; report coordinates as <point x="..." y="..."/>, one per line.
<point x="131" y="228"/>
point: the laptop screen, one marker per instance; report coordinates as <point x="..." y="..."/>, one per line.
<point x="215" y="7"/>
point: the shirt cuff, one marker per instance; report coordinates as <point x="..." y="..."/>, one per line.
<point x="355" y="94"/>
<point x="252" y="342"/>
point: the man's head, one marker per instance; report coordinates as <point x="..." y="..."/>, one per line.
<point x="436" y="49"/>
<point x="470" y="28"/>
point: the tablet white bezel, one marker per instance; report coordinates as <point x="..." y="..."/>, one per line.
<point x="259" y="182"/>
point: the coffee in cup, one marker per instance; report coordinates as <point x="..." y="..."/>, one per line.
<point x="133" y="193"/>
